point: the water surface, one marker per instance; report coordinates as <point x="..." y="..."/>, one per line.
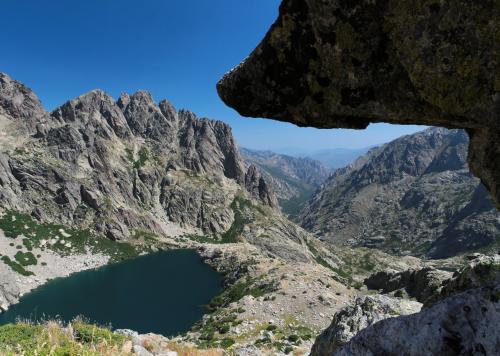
<point x="165" y="293"/>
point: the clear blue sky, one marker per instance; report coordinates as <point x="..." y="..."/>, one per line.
<point x="175" y="49"/>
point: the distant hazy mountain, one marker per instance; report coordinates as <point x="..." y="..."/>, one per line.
<point x="293" y="179"/>
<point x="413" y="195"/>
<point x="332" y="158"/>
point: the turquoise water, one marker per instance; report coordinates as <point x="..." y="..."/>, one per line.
<point x="164" y="293"/>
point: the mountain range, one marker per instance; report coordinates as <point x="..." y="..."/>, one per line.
<point x="120" y="167"/>
<point x="414" y="195"/>
<point x="332" y="158"/>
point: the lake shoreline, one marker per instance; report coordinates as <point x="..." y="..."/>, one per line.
<point x="170" y="287"/>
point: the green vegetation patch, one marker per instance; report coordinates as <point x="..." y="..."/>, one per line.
<point x="203" y="239"/>
<point x="91" y="333"/>
<point x="60" y="239"/>
<point x="242" y="209"/>
<point x="20" y="336"/>
<point x="16" y="266"/>
<point x="143" y="157"/>
<point x="244" y="212"/>
<point x="25" y="258"/>
<point x="284" y="338"/>
<point x="251" y="286"/>
<point x="53" y="339"/>
<point x="213" y="329"/>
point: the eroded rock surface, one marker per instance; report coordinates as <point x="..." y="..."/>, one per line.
<point x="421" y="284"/>
<point x="120" y="167"/>
<point x="464" y="324"/>
<point x="481" y="271"/>
<point x="346" y="64"/>
<point x="363" y="312"/>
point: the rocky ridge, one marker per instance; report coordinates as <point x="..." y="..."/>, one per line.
<point x="119" y="167"/>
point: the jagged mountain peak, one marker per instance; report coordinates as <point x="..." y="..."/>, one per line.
<point x="168" y="110"/>
<point x="20" y="104"/>
<point x="121" y="166"/>
<point x="257" y="186"/>
<point x="145" y="117"/>
<point x="94" y="111"/>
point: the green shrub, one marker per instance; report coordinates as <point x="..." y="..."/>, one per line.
<point x="271" y="327"/>
<point x="16" y="266"/>
<point x="238" y="291"/>
<point x="288" y="349"/>
<point x="224" y="329"/>
<point x="227" y="342"/>
<point x="25" y="258"/>
<point x="21" y="334"/>
<point x="88" y="333"/>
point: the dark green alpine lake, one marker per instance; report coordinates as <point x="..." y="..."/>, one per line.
<point x="165" y="293"/>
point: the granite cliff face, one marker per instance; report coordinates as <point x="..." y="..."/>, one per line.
<point x="414" y="195"/>
<point x="346" y="64"/>
<point x="294" y="180"/>
<point x="120" y="167"/>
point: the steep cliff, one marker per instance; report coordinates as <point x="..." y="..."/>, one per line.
<point x="120" y="167"/>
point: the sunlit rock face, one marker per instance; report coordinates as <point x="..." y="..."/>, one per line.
<point x="120" y="167"/>
<point x="350" y="63"/>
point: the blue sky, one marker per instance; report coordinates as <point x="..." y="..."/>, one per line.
<point x="175" y="49"/>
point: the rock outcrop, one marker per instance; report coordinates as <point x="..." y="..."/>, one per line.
<point x="345" y="64"/>
<point x="460" y="315"/>
<point x="20" y="104"/>
<point x="258" y="187"/>
<point x="9" y="290"/>
<point x="481" y="271"/>
<point x="423" y="284"/>
<point x="365" y="311"/>
<point x="464" y="324"/>
<point x="120" y="167"/>
<point x="414" y="195"/>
